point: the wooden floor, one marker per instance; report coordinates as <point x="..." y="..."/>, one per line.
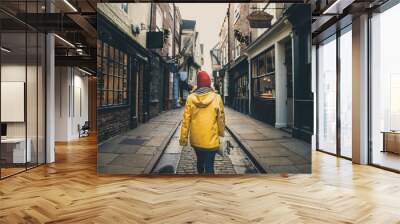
<point x="70" y="191"/>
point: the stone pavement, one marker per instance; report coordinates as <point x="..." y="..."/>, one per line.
<point x="182" y="160"/>
<point x="136" y="151"/>
<point x="275" y="150"/>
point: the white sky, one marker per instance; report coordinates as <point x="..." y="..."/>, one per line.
<point x="209" y="18"/>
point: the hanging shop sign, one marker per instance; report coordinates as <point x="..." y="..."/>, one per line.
<point x="260" y="19"/>
<point x="154" y="40"/>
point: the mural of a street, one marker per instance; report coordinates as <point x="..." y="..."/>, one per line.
<point x="257" y="57"/>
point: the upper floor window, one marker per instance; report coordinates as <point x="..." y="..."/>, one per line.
<point x="124" y="7"/>
<point x="237" y="49"/>
<point x="236" y="13"/>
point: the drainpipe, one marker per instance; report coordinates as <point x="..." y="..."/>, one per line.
<point x="229" y="51"/>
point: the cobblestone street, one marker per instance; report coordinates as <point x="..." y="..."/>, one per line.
<point x="187" y="163"/>
<point x="183" y="159"/>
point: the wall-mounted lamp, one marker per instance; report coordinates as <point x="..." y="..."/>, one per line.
<point x="135" y="29"/>
<point x="5" y="50"/>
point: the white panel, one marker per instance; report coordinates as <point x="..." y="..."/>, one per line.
<point x="12" y="101"/>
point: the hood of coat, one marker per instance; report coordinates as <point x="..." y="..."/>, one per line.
<point x="203" y="99"/>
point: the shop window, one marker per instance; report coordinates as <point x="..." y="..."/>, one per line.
<point x="112" y="76"/>
<point x="241" y="87"/>
<point x="263" y="74"/>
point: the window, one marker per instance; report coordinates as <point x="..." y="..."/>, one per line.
<point x="385" y="88"/>
<point x="327" y="95"/>
<point x="263" y="74"/>
<point x="241" y="87"/>
<point x="124" y="7"/>
<point x="112" y="82"/>
<point x="236" y="12"/>
<point x="237" y="49"/>
<point x="346" y="93"/>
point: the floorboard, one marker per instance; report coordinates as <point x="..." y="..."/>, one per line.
<point x="71" y="191"/>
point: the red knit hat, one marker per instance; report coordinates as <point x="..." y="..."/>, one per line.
<point x="203" y="79"/>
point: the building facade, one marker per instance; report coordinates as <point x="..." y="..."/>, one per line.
<point x="192" y="57"/>
<point x="256" y="67"/>
<point x="135" y="81"/>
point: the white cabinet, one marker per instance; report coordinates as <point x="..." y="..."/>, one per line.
<point x="19" y="155"/>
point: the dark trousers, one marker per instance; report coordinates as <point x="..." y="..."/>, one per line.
<point x="205" y="161"/>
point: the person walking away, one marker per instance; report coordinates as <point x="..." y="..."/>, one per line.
<point x="200" y="120"/>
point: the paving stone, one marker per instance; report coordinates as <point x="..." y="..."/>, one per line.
<point x="147" y="150"/>
<point x="127" y="149"/>
<point x="272" y="151"/>
<point x="106" y="148"/>
<point x="120" y="170"/>
<point x="105" y="158"/>
<point x="155" y="141"/>
<point x="298" y="160"/>
<point x="132" y="141"/>
<point x="252" y="136"/>
<point x="304" y="168"/>
<point x="283" y="169"/>
<point x="276" y="161"/>
<point x="131" y="160"/>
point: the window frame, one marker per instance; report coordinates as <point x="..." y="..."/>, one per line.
<point x="259" y="72"/>
<point x="112" y="73"/>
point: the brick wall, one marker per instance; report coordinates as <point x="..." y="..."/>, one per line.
<point x="112" y="122"/>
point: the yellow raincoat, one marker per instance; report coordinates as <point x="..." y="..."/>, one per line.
<point x="200" y="119"/>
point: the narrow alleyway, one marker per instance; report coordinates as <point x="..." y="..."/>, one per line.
<point x="154" y="148"/>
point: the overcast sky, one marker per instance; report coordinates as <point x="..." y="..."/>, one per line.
<point x="209" y="18"/>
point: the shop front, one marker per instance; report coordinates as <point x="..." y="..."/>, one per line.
<point x="263" y="105"/>
<point x="240" y="79"/>
<point x="122" y="83"/>
<point x="280" y="74"/>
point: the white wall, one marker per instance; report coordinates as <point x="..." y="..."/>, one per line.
<point x="71" y="94"/>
